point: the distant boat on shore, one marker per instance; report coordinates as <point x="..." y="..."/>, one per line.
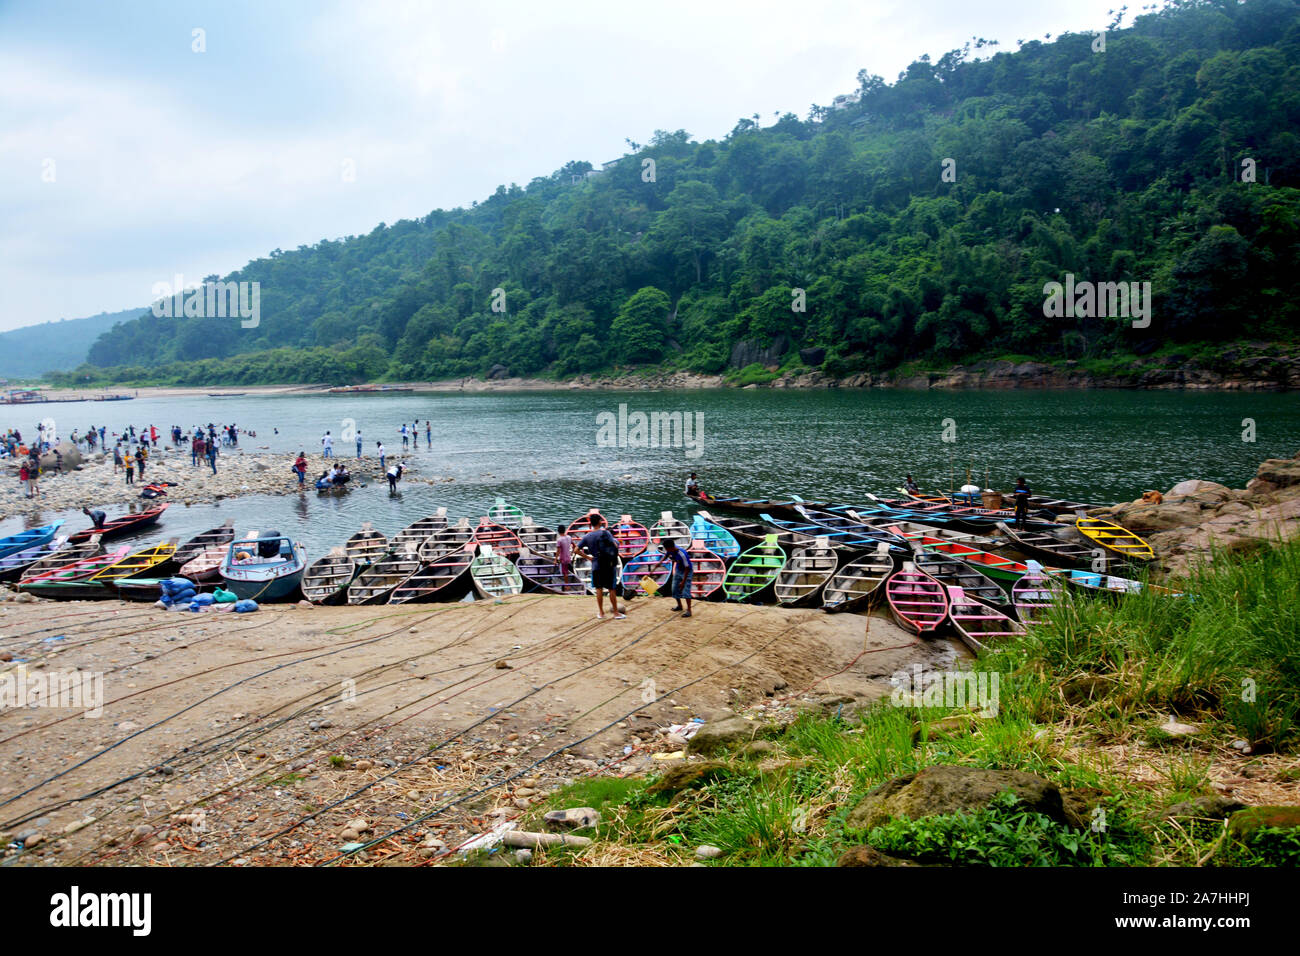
<point x="368" y="389"/>
<point x="225" y="394"/>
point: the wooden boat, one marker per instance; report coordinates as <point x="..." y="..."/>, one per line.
<point x="584" y="524"/>
<point x="1034" y="594"/>
<point x="708" y="571"/>
<point x="1037" y="502"/>
<point x="542" y="573"/>
<point x="77" y="570"/>
<point x="669" y="527"/>
<point x="910" y="530"/>
<point x="583" y="569"/>
<point x="784" y="507"/>
<point x="499" y="538"/>
<point x="326" y="580"/>
<point x="377" y="581"/>
<point x="860" y="583"/>
<point x="217" y="537"/>
<point x="447" y="578"/>
<point x="969" y="517"/>
<point x="508" y="516"/>
<point x="204" y="566"/>
<point x="647" y="565"/>
<point x="1094" y="583"/>
<point x="125" y="524"/>
<point x="979" y="626"/>
<point x="1120" y="542"/>
<point x="366" y="546"/>
<point x="800" y="582"/>
<point x="632" y="538"/>
<point x="713" y="538"/>
<point x="917" y="601"/>
<point x="537" y="539"/>
<point x="1048" y="547"/>
<point x="272" y="572"/>
<point x="417" y="532"/>
<point x="953" y="572"/>
<point x="31" y="538"/>
<point x="995" y="566"/>
<point x="15" y="563"/>
<point x="136" y="564"/>
<point x="138" y="589"/>
<point x="68" y="554"/>
<point x="444" y="542"/>
<point x="751" y="533"/>
<point x="852" y="533"/>
<point x="493" y="576"/>
<point x="752" y="576"/>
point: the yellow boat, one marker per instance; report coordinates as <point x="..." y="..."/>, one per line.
<point x="136" y="563"/>
<point x="1118" y="541"/>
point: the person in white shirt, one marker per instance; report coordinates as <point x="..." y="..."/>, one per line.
<point x="327" y="443"/>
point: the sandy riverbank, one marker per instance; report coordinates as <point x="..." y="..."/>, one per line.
<point x="428" y="705"/>
<point x="240" y="471"/>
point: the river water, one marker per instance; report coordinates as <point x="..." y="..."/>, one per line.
<point x="540" y="450"/>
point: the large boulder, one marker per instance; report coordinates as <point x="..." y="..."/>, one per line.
<point x="744" y="353"/>
<point x="498" y="371"/>
<point x="1275" y="474"/>
<point x="1246" y="822"/>
<point x="949" y="789"/>
<point x="812" y="356"/>
<point x="71" y="456"/>
<point x="729" y="732"/>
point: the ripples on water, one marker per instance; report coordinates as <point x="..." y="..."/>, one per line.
<point x="538" y="450"/>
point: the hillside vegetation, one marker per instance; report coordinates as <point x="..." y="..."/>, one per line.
<point x="1117" y="165"/>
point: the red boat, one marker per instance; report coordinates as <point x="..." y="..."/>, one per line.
<point x="502" y="540"/>
<point x="126" y="524"/>
<point x="918" y="602"/>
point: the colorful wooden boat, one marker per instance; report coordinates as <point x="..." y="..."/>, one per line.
<point x="852" y="533"/>
<point x="750" y="533"/>
<point x="139" y="589"/>
<point x="650" y="563"/>
<point x="76" y="570"/>
<point x="708" y="570"/>
<point x="204" y="566"/>
<point x="584" y="524"/>
<point x="669" y="527"/>
<point x="860" y="583"/>
<point x="493" y="576"/>
<point x="446" y="541"/>
<point x="752" y="576"/>
<point x="272" y="572"/>
<point x="366" y="546"/>
<point x="542" y="573"/>
<point x="714" y="538"/>
<point x="326" y="580"/>
<point x="994" y="565"/>
<point x="1047" y="547"/>
<point x="583" y="569"/>
<point x="910" y="530"/>
<point x="15" y="563"/>
<point x="31" y="538"/>
<point x="136" y="564"/>
<point x="445" y="579"/>
<point x="1035" y="593"/>
<point x="979" y="626"/>
<point x="1093" y="583"/>
<point x="377" y="581"/>
<point x="917" y="601"/>
<point x="69" y="554"/>
<point x="1120" y="542"/>
<point x="217" y="537"/>
<point x="953" y="572"/>
<point x="416" y="533"/>
<point x="806" y="572"/>
<point x="784" y="507"/>
<point x="537" y="539"/>
<point x="632" y="537"/>
<point x="124" y="524"/>
<point x="508" y="516"/>
<point x="499" y="538"/>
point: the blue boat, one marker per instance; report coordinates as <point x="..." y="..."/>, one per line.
<point x="715" y="538"/>
<point x="29" y="539"/>
<point x="264" y="566"/>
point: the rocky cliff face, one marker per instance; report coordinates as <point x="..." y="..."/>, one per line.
<point x="1197" y="518"/>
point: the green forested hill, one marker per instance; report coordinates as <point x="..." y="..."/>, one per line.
<point x="33" y="350"/>
<point x="1117" y="165"/>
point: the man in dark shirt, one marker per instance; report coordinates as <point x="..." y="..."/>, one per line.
<point x="96" y="517"/>
<point x="1021" y="495"/>
<point x="683" y="570"/>
<point x="599" y="547"/>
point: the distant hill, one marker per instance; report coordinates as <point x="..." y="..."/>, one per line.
<point x="32" y="351"/>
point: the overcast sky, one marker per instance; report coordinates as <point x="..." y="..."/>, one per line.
<point x="126" y="157"/>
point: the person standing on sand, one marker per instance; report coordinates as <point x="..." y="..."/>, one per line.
<point x="25" y="479"/>
<point x="327" y="443"/>
<point x="599" y="547"/>
<point x="683" y="571"/>
<point x="564" y="552"/>
<point x="130" y="471"/>
<point x="300" y="466"/>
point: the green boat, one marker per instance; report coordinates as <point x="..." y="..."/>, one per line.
<point x="752" y="576"/>
<point x="494" y="575"/>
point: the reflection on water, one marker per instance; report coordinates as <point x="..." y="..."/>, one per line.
<point x="539" y="450"/>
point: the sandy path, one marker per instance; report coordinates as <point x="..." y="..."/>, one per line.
<point x="244" y="713"/>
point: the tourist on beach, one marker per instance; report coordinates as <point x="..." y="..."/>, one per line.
<point x="25" y="479"/>
<point x="380" y="452"/>
<point x="327" y="442"/>
<point x="139" y="461"/>
<point x="1021" y="495"/>
<point x="300" y="466"/>
<point x="599" y="547"/>
<point x="406" y="439"/>
<point x="394" y="475"/>
<point x="199" y="449"/>
<point x="564" y="552"/>
<point x="101" y="436"/>
<point x="130" y="471"/>
<point x="428" y="434"/>
<point x="358" y="444"/>
<point x="117" y="458"/>
<point x="683" y="571"/>
<point x="212" y="456"/>
<point x="97" y="518"/>
<point x="910" y="486"/>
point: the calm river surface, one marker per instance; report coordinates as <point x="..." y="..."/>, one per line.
<point x="539" y="450"/>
